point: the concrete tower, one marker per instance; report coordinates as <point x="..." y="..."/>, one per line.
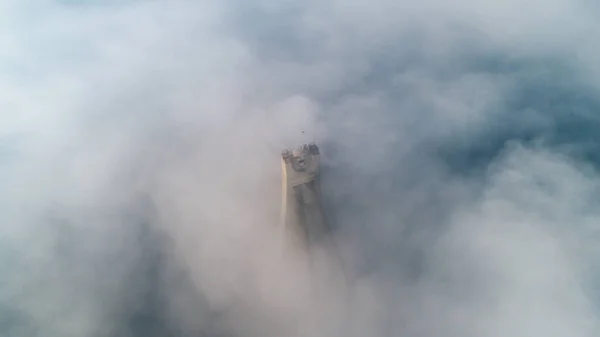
<point x="303" y="219"/>
<point x="301" y="208"/>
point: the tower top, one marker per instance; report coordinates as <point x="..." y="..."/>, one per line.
<point x="301" y="151"/>
<point x="301" y="164"/>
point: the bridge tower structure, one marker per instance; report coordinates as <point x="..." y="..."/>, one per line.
<point x="301" y="208"/>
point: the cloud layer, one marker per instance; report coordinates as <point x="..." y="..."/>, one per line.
<point x="139" y="146"/>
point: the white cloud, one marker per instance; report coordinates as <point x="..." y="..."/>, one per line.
<point x="191" y="102"/>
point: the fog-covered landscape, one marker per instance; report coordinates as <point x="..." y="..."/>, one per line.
<point x="140" y="177"/>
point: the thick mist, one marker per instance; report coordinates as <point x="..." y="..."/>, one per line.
<point x="140" y="174"/>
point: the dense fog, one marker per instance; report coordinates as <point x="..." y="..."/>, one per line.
<point x="140" y="169"/>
